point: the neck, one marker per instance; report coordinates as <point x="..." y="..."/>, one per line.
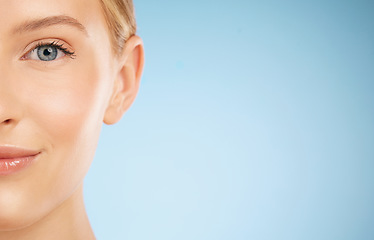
<point x="67" y="221"/>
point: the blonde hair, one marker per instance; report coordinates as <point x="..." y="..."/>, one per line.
<point x="120" y="17"/>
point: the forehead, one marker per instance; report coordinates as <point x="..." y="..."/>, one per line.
<point x="16" y="12"/>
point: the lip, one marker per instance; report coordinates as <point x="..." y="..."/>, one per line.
<point x="14" y="159"/>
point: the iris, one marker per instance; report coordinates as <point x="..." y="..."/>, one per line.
<point x="47" y="53"/>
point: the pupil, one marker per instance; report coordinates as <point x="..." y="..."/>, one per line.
<point x="47" y="51"/>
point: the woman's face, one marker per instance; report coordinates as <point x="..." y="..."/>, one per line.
<point x="56" y="79"/>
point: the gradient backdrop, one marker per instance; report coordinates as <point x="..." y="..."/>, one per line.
<point x="255" y="120"/>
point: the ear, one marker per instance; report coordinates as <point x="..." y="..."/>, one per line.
<point x="127" y="80"/>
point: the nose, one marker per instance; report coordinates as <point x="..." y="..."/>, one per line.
<point x="9" y="106"/>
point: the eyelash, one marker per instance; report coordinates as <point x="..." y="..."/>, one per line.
<point x="58" y="46"/>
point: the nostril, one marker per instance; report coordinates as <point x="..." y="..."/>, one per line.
<point x="7" y="121"/>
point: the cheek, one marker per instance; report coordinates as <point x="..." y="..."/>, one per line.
<point x="67" y="115"/>
<point x="67" y="110"/>
<point x="69" y="103"/>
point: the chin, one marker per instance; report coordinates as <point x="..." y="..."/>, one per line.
<point x="16" y="215"/>
<point x="10" y="221"/>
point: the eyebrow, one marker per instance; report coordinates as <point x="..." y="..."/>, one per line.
<point x="37" y="24"/>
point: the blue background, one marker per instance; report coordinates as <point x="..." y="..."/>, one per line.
<point x="255" y="120"/>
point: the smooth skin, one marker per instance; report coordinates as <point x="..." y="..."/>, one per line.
<point x="57" y="107"/>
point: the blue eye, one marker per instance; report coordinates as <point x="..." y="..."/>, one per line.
<point x="48" y="52"/>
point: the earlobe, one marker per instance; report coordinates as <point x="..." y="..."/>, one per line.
<point x="127" y="80"/>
